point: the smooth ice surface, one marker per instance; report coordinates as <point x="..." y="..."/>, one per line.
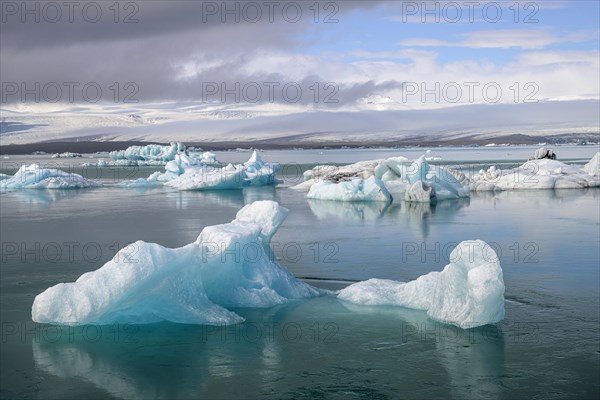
<point x="35" y="177"/>
<point x="469" y="292"/>
<point x="593" y="166"/>
<point x="356" y="189"/>
<point x="227" y="266"/>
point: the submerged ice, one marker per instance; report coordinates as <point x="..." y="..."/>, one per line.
<point x="469" y="292"/>
<point x="228" y="266"/>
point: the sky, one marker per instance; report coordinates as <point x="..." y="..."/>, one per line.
<point x="172" y="50"/>
<point x="302" y="55"/>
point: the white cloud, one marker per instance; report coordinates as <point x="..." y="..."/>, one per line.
<point x="504" y="39"/>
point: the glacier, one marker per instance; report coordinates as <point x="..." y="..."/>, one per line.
<point x="228" y="266"/>
<point x="467" y="293"/>
<point x="36" y="177"/>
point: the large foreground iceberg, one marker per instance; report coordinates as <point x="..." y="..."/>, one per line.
<point x="469" y="292"/>
<point x="36" y="177"/>
<point x="228" y="266"/>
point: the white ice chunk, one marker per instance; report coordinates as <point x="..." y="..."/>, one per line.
<point x="259" y="173"/>
<point x="593" y="166"/>
<point x="67" y="154"/>
<point x="542" y="153"/>
<point x="36" y="177"/>
<point x="227" y="267"/>
<point x="209" y="178"/>
<point x="151" y="152"/>
<point x="536" y="174"/>
<point x="421" y="192"/>
<point x="396" y="173"/>
<point x="469" y="292"/>
<point x="356" y="189"/>
<point x="268" y="214"/>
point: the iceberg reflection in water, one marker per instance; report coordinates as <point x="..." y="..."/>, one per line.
<point x="283" y="354"/>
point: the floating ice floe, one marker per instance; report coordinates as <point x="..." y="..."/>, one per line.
<point x="543" y="153"/>
<point x="593" y="166"/>
<point x="36" y="177"/>
<point x="194" y="284"/>
<point x="185" y="173"/>
<point x="4" y="176"/>
<point x="469" y="292"/>
<point x="67" y="154"/>
<point x="151" y="152"/>
<point x="396" y="177"/>
<point x="535" y="174"/>
<point x="155" y="155"/>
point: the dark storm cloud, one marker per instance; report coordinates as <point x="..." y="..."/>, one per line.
<point x="149" y="43"/>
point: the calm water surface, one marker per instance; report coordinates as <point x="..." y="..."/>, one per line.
<point x="548" y="346"/>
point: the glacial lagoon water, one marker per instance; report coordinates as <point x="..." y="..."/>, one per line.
<point x="548" y="345"/>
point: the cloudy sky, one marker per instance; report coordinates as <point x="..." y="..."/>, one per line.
<point x="340" y="56"/>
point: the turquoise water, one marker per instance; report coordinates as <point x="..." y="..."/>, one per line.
<point x="548" y="346"/>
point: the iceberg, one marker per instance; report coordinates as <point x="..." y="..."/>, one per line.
<point x="151" y="152"/>
<point x="535" y="174"/>
<point x="542" y="153"/>
<point x="420" y="192"/>
<point x="371" y="189"/>
<point x="36" y="177"/>
<point x="187" y="176"/>
<point x="593" y="166"/>
<point x="155" y="155"/>
<point x="467" y="293"/>
<point x="397" y="175"/>
<point x="67" y="154"/>
<point x="209" y="178"/>
<point x="228" y="266"/>
<point x="4" y="177"/>
<point x="259" y="173"/>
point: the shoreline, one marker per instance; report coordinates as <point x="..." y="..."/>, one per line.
<point x="282" y="144"/>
